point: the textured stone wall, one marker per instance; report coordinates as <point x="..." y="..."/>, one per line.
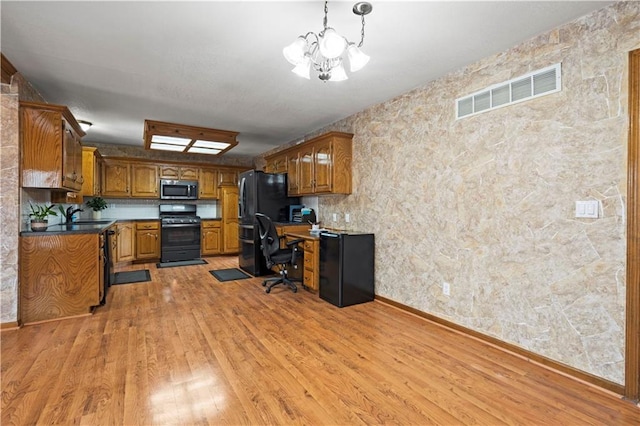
<point x="10" y="194"/>
<point x="486" y="203"/>
<point x="9" y="206"/>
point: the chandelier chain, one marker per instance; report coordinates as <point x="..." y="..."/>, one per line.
<point x="361" y="33"/>
<point x="326" y="12"/>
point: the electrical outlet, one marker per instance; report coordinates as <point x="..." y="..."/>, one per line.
<point x="446" y="290"/>
<point x="335" y="217"/>
<point x="347" y="217"/>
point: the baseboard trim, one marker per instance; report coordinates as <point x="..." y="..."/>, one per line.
<point x="7" y="326"/>
<point x="511" y="348"/>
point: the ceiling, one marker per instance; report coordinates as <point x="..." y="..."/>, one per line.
<point x="219" y="64"/>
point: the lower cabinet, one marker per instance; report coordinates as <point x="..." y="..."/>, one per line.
<point x="311" y="273"/>
<point x="311" y="249"/>
<point x="125" y="237"/>
<point x="230" y="241"/>
<point x="211" y="237"/>
<point x="147" y="240"/>
<point x="60" y="276"/>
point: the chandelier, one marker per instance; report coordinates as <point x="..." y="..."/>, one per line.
<point x="324" y="51"/>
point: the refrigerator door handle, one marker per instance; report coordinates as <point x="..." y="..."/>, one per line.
<point x="242" y="199"/>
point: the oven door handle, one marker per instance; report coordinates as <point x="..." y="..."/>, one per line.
<point x="181" y="225"/>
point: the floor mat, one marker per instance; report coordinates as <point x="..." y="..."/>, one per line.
<point x="128" y="277"/>
<point x="229" y="274"/>
<point x="181" y="263"/>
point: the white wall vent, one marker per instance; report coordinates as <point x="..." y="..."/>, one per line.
<point x="533" y="85"/>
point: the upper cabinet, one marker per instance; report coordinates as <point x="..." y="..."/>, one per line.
<point x="319" y="166"/>
<point x="91" y="171"/>
<point x="277" y="164"/>
<point x="116" y="178"/>
<point x="140" y="178"/>
<point x="208" y="183"/>
<point x="144" y="180"/>
<point x="51" y="147"/>
<point x="227" y="177"/>
<point x="178" y="172"/>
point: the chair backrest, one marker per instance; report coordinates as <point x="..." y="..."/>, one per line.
<point x="269" y="239"/>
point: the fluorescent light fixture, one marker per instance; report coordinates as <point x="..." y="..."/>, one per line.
<point x="167" y="147"/>
<point x="197" y="150"/>
<point x="170" y="140"/>
<point x="187" y="139"/>
<point x="211" y="144"/>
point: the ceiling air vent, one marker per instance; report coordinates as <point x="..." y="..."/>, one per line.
<point x="538" y="83"/>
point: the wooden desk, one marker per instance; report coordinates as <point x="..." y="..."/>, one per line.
<point x="311" y="246"/>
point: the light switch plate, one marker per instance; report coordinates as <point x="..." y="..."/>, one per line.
<point x="588" y="209"/>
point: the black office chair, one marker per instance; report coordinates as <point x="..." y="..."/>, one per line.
<point x="274" y="255"/>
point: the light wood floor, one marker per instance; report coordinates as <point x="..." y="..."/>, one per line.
<point x="187" y="349"/>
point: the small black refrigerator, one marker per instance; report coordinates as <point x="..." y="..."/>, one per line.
<point x="347" y="268"/>
<point x="265" y="193"/>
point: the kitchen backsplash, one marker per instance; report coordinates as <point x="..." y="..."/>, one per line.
<point x="121" y="209"/>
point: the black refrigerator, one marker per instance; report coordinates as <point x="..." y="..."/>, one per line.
<point x="265" y="193"/>
<point x="347" y="268"/>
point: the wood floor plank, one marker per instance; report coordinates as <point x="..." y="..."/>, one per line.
<point x="185" y="348"/>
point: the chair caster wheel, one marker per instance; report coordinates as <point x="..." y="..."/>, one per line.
<point x="268" y="290"/>
<point x="295" y="290"/>
<point x="264" y="284"/>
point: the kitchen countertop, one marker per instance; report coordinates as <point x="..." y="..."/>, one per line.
<point x="80" y="227"/>
<point x="88" y="226"/>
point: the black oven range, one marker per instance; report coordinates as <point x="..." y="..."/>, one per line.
<point x="180" y="232"/>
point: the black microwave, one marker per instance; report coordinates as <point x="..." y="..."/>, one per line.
<point x="178" y="189"/>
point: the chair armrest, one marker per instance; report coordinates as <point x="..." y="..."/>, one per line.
<point x="295" y="242"/>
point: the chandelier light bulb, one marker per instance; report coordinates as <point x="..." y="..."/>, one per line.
<point x="357" y="59"/>
<point x="338" y="73"/>
<point x="332" y="44"/>
<point x="303" y="69"/>
<point x="294" y="53"/>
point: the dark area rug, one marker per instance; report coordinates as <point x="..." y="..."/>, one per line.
<point x="129" y="277"/>
<point x="229" y="274"/>
<point x="181" y="263"/>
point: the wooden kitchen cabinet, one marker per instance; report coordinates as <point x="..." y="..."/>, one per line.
<point x="227" y="177"/>
<point x="144" y="180"/>
<point x="147" y="240"/>
<point x="311" y="252"/>
<point x="116" y="175"/>
<point x="91" y="171"/>
<point x="230" y="242"/>
<point x="60" y="276"/>
<point x="51" y="147"/>
<point x="277" y="164"/>
<point x="125" y="237"/>
<point x="293" y="173"/>
<point x="320" y="166"/>
<point x="306" y="170"/>
<point x="208" y="183"/>
<point x="211" y="230"/>
<point x="178" y="172"/>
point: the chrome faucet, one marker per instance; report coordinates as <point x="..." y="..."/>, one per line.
<point x="70" y="212"/>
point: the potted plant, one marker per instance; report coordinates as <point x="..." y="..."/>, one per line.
<point x="39" y="215"/>
<point x="97" y="204"/>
